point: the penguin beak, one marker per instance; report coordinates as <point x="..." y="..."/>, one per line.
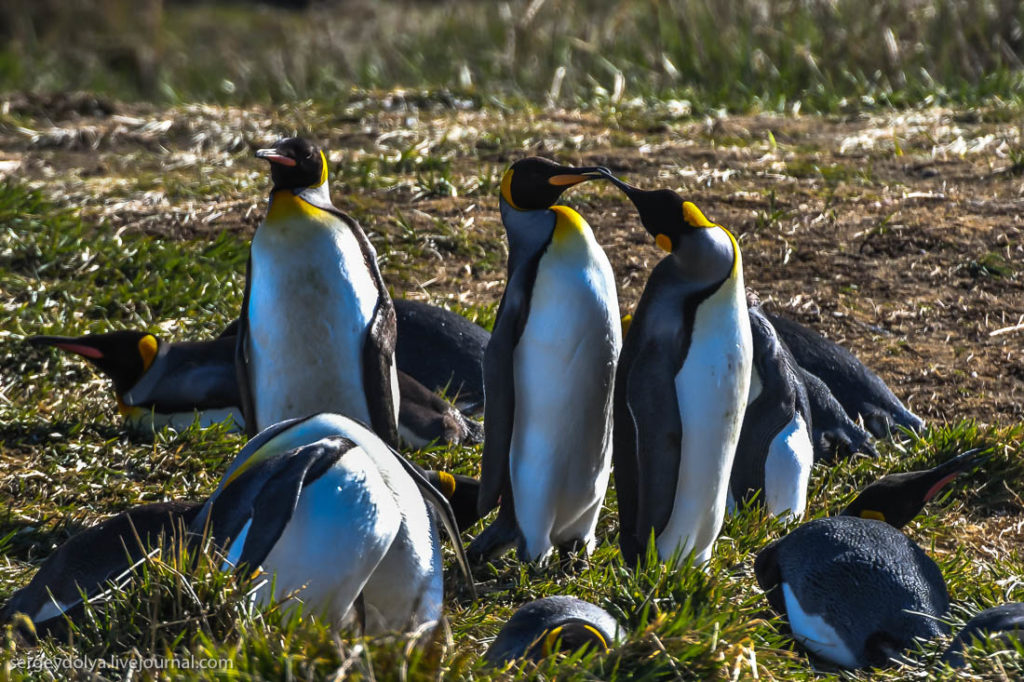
<point x="273" y="156"/>
<point x="575" y="176"/>
<point x="68" y="345"/>
<point x="953" y="468"/>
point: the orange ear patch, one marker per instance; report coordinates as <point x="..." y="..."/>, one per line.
<point x="447" y="483"/>
<point x="147" y="350"/>
<point x="664" y="243"/>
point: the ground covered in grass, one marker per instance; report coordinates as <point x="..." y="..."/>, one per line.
<point x="898" y="235"/>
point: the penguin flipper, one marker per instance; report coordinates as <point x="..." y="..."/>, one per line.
<point x="266" y="494"/>
<point x="436" y="499"/>
<point x="247" y="401"/>
<point x="651" y="395"/>
<point x="499" y="395"/>
<point x="378" y="363"/>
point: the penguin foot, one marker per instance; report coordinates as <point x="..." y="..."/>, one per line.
<point x="493" y="541"/>
<point x="573" y="557"/>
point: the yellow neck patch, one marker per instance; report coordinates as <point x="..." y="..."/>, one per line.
<point x="569" y="225"/>
<point x="286" y="205"/>
<point x="446" y="483"/>
<point x="147" y="350"/>
<point x="506" y="189"/>
<point x="872" y="514"/>
<point x="664" y="243"/>
<point x="693" y="216"/>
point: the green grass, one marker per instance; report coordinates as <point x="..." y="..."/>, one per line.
<point x="64" y="463"/>
<point x="670" y="58"/>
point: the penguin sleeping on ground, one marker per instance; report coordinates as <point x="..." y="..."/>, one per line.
<point x="443" y="350"/>
<point x="1005" y="623"/>
<point x="774" y="454"/>
<point x="331" y="513"/>
<point x="859" y="390"/>
<point x="317" y="328"/>
<point x="853" y="588"/>
<point x="160" y="384"/>
<point x="91" y="561"/>
<point x="682" y="383"/>
<point x="548" y="372"/>
<point x="560" y="623"/>
<point x="184" y="381"/>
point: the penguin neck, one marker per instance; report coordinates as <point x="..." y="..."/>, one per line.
<point x="528" y="231"/>
<point x="707" y="256"/>
<point x="305" y="202"/>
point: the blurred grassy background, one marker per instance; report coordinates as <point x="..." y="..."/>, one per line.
<point x="819" y="55"/>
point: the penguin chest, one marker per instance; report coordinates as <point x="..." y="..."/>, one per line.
<point x="564" y="369"/>
<point x="312" y="296"/>
<point x="711" y="388"/>
<point x="815" y="633"/>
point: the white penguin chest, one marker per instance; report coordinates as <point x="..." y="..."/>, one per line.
<point x="311" y="299"/>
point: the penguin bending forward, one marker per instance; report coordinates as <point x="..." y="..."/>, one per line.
<point x="548" y="372"/>
<point x="317" y="328"/>
<point x="334" y="515"/>
<point x="774" y="454"/>
<point x="682" y="383"/>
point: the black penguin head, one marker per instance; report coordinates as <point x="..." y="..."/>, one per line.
<point x="533" y="183"/>
<point x="123" y="356"/>
<point x="898" y="498"/>
<point x="568" y="636"/>
<point x="295" y="163"/>
<point x="663" y="213"/>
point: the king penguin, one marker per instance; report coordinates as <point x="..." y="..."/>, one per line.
<point x="774" y="455"/>
<point x="853" y="588"/>
<point x="334" y="515"/>
<point x="158" y="383"/>
<point x="861" y="392"/>
<point x="548" y="372"/>
<point x="1004" y="623"/>
<point x="682" y="383"/>
<point x="560" y="623"/>
<point x="90" y="561"/>
<point x="317" y="328"/>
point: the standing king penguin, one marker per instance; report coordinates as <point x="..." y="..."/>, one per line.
<point x="682" y="383"/>
<point x="549" y="370"/>
<point x="317" y="329"/>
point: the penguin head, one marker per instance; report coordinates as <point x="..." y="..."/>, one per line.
<point x="295" y="163"/>
<point x="897" y="498"/>
<point x="546" y="626"/>
<point x="534" y="184"/>
<point x="462" y="492"/>
<point x="664" y="214"/>
<point x="123" y="356"/>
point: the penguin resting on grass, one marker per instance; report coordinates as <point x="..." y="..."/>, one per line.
<point x="544" y="626"/>
<point x="443" y="351"/>
<point x="160" y="384"/>
<point x="859" y="390"/>
<point x="185" y="381"/>
<point x="332" y="514"/>
<point x="853" y="588"/>
<point x="548" y="373"/>
<point x="317" y="328"/>
<point x="682" y="383"/>
<point x="91" y="561"/>
<point x="774" y="454"/>
<point x="1005" y="623"/>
